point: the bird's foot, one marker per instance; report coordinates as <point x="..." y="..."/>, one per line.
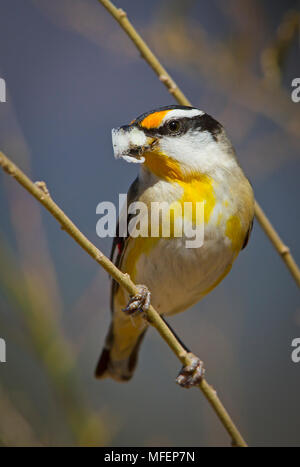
<point x="191" y="374"/>
<point x="139" y="302"/>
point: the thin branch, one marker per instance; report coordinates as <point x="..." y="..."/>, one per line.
<point x="282" y="249"/>
<point x="39" y="191"/>
<point x="121" y="17"/>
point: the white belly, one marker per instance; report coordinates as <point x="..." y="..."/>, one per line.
<point x="179" y="277"/>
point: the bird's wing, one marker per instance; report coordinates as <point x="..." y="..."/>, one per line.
<point x="248" y="235"/>
<point x="120" y="243"/>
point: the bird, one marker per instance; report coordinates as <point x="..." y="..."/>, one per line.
<point x="185" y="158"/>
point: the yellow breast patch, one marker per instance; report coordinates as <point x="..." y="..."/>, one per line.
<point x="197" y="187"/>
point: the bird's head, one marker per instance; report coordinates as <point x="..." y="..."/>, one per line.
<point x="174" y="142"/>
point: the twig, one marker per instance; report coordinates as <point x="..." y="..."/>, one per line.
<point x="165" y="78"/>
<point x="121" y="16"/>
<point x="124" y="280"/>
<point x="282" y="249"/>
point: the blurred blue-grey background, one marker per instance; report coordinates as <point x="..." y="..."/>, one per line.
<point x="71" y="76"/>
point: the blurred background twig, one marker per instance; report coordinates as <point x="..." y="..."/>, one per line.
<point x="45" y="339"/>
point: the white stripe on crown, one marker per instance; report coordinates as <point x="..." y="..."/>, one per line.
<point x="180" y="113"/>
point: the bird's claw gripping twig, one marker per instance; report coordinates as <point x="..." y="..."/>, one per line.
<point x="191" y="374"/>
<point x="139" y="302"/>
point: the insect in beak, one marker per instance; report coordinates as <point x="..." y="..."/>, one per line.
<point x="130" y="143"/>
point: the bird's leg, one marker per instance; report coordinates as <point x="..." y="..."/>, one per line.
<point x="192" y="373"/>
<point x="139" y="302"/>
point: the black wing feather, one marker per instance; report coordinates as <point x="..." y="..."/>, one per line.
<point x="120" y="243"/>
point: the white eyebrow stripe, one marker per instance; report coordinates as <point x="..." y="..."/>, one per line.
<point x="180" y="113"/>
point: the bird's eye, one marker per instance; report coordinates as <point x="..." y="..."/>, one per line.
<point x="174" y="126"/>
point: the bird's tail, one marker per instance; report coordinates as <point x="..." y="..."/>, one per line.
<point x="118" y="365"/>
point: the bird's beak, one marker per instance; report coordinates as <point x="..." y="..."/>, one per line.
<point x="131" y="143"/>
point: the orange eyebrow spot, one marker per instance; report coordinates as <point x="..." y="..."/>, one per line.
<point x="154" y="120"/>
